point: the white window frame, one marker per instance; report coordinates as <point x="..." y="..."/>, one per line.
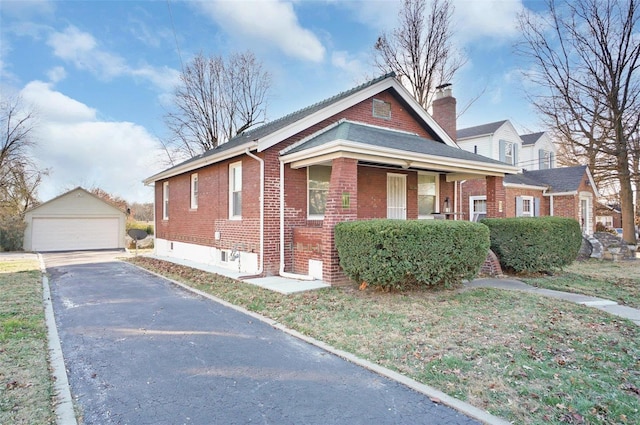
<point x="527" y="200"/>
<point x="165" y="201"/>
<point x="508" y="158"/>
<point x="309" y="215"/>
<point x="235" y="186"/>
<point x="473" y="214"/>
<point x="194" y="191"/>
<point x="437" y="196"/>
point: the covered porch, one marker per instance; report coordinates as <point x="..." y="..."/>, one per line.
<point x="357" y="172"/>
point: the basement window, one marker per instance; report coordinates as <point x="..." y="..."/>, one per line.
<point x="381" y="109"/>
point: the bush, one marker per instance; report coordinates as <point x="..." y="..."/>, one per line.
<point x="532" y="245"/>
<point x="12" y="233"/>
<point x="142" y="225"/>
<point x="398" y="254"/>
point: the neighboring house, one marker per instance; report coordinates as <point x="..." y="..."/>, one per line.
<point x="609" y="216"/>
<point x="267" y="201"/>
<point x="500" y="140"/>
<point x="75" y="220"/>
<point x="540" y="189"/>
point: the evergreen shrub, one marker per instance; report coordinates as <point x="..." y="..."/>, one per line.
<point x="534" y="244"/>
<point x="400" y="254"/>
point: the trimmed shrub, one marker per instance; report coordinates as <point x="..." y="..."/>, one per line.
<point x="534" y="244"/>
<point x="399" y="254"/>
<point x="12" y="233"/>
<point x="142" y="225"/>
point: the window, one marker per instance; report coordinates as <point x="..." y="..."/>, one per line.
<point x="546" y="159"/>
<point x="165" y="201"/>
<point x="508" y="152"/>
<point x="427" y="194"/>
<point x="477" y="208"/>
<point x="235" y="190"/>
<point x="194" y="191"/>
<point x="318" y="177"/>
<point x="381" y="109"/>
<point x="526" y="206"/>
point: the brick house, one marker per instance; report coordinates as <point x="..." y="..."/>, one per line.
<point x="266" y="202"/>
<point x="540" y="189"/>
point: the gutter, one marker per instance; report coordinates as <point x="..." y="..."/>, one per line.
<point x="261" y="161"/>
<point x="281" y="272"/>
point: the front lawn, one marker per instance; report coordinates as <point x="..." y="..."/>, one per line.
<point x="528" y="359"/>
<point x="617" y="281"/>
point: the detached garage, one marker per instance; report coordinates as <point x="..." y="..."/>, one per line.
<point x="76" y="220"/>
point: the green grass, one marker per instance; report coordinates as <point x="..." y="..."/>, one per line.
<point x="25" y="383"/>
<point x="619" y="281"/>
<point x="529" y="359"/>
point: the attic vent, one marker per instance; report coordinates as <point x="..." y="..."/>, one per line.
<point x="381" y="109"/>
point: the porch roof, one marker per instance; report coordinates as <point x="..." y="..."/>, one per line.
<point x="391" y="147"/>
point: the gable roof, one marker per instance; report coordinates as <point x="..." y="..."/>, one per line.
<point x="97" y="198"/>
<point x="367" y="142"/>
<point x="556" y="180"/>
<point x="480" y="130"/>
<point x="530" y="139"/>
<point x="269" y="134"/>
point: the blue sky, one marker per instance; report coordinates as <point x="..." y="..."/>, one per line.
<point x="100" y="74"/>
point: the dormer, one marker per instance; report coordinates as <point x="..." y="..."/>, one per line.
<point x="498" y="140"/>
<point x="538" y="152"/>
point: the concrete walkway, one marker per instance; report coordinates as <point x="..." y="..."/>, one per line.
<point x="609" y="306"/>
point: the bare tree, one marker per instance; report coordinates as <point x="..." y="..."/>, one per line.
<point x="19" y="176"/>
<point x="420" y="49"/>
<point x="585" y="56"/>
<point x="216" y="100"/>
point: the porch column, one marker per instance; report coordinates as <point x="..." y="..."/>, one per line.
<point x="342" y="205"/>
<point x="496" y="197"/>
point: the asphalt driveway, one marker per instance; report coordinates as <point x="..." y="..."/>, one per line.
<point x="139" y="350"/>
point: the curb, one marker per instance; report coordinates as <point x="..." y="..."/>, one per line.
<point x="433" y="394"/>
<point x="65" y="414"/>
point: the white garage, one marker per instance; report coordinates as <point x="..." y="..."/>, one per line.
<point x="76" y="220"/>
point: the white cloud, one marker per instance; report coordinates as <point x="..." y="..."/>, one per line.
<point x="353" y="66"/>
<point x="57" y="74"/>
<point x="495" y="19"/>
<point x="81" y="150"/>
<point x="82" y="50"/>
<point x="268" y="21"/>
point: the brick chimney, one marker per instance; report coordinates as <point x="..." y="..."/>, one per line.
<point x="443" y="110"/>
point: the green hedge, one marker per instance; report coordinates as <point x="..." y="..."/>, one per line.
<point x="140" y="225"/>
<point x="531" y="245"/>
<point x="398" y="254"/>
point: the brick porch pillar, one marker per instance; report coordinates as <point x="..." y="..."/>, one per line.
<point x="496" y="197"/>
<point x="342" y="205"/>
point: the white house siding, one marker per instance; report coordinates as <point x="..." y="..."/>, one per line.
<point x="483" y="145"/>
<point x="530" y="159"/>
<point x="508" y="133"/>
<point x="76" y="220"/>
<point x="244" y="262"/>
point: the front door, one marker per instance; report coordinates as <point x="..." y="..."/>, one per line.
<point x="397" y="196"/>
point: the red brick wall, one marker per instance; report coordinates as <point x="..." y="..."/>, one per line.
<point x="307" y="245"/>
<point x="512" y="193"/>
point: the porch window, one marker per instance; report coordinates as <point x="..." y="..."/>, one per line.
<point x="427" y="194"/>
<point x="194" y="191"/>
<point x="165" y="201"/>
<point x="477" y="207"/>
<point x="318" y="177"/>
<point x="235" y="190"/>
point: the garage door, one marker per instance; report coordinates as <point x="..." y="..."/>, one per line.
<point x="69" y="234"/>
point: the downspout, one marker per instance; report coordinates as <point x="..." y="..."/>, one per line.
<point x="281" y="271"/>
<point x="461" y="201"/>
<point x="261" y="264"/>
<point x="455" y="200"/>
<point x="551" y="205"/>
